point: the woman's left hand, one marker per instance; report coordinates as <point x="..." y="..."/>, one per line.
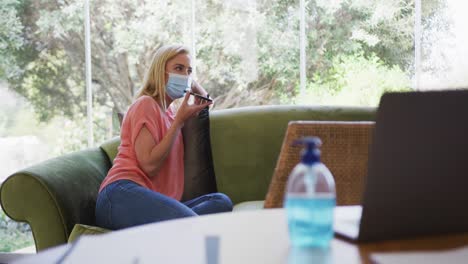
<point x="187" y="110"/>
<point x="198" y="89"/>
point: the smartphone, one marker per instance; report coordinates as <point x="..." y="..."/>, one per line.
<point x="201" y="96"/>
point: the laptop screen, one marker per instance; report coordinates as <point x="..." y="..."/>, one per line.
<point x="417" y="180"/>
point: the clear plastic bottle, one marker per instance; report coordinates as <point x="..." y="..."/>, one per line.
<point x="310" y="199"/>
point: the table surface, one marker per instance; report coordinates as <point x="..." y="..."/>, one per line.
<point x="259" y="236"/>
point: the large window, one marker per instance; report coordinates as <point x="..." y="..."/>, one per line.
<point x="42" y="91"/>
<point x="444" y="45"/>
<point x="245" y="52"/>
<point x="123" y="36"/>
<point x="356" y="50"/>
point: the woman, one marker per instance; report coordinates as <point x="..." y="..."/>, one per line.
<point x="146" y="182"/>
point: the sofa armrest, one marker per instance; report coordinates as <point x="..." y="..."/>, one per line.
<point x="55" y="194"/>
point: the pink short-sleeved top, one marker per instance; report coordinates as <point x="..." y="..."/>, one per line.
<point x="170" y="177"/>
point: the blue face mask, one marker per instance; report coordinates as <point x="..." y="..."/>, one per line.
<point x="177" y="84"/>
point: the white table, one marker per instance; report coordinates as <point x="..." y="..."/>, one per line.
<point x="244" y="237"/>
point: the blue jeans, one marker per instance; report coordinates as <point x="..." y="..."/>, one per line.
<point x="124" y="203"/>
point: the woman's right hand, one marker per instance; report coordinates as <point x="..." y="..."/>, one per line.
<point x="187" y="110"/>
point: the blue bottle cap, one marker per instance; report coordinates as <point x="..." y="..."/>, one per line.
<point x="311" y="154"/>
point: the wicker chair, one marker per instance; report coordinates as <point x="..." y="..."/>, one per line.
<point x="345" y="147"/>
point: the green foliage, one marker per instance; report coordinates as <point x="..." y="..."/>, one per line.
<point x="8" y="110"/>
<point x="246" y="53"/>
<point x="11" y="39"/>
<point x="14" y="235"/>
<point x="73" y="136"/>
<point x="58" y="94"/>
<point x="61" y="134"/>
<point x="355" y="80"/>
<point x="18" y="122"/>
<point x="370" y="28"/>
<point x="279" y="50"/>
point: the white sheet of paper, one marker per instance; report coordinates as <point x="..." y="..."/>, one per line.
<point x="239" y="239"/>
<point x="454" y="256"/>
<point x="141" y="245"/>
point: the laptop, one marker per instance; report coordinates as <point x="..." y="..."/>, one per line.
<point x="417" y="183"/>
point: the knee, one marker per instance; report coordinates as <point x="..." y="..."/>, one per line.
<point x="225" y="200"/>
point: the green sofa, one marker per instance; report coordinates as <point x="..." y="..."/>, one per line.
<point x="58" y="195"/>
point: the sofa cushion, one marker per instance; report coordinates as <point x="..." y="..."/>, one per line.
<point x="248" y="206"/>
<point x="198" y="162"/>
<point x="80" y="229"/>
<point x="110" y="147"/>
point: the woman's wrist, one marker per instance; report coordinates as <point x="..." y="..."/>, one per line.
<point x="178" y="124"/>
<point x="197" y="88"/>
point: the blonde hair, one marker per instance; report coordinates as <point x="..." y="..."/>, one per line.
<point x="154" y="84"/>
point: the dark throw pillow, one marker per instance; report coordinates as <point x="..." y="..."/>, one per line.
<point x="120" y="116"/>
<point x="198" y="160"/>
